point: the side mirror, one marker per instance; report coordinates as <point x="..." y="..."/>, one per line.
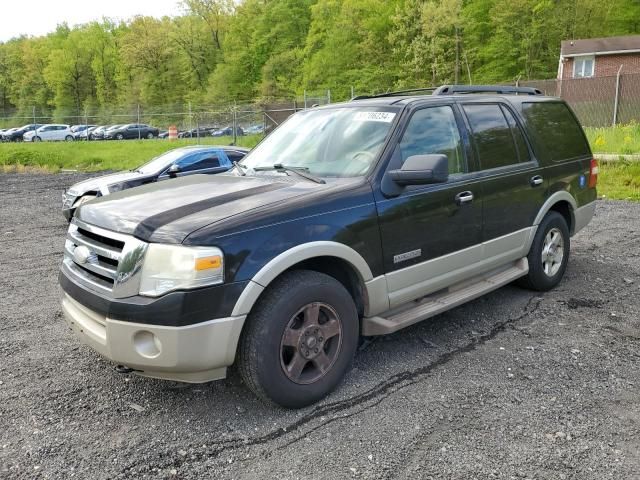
<point x="174" y="170"/>
<point x="422" y="170"/>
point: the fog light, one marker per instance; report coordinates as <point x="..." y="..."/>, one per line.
<point x="147" y="344"/>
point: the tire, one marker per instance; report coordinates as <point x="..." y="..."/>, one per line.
<point x="150" y="136"/>
<point x="284" y="316"/>
<point x="119" y="137"/>
<point x="68" y="138"/>
<point x="36" y="139"/>
<point x="545" y="274"/>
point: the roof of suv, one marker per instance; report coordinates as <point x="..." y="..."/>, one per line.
<point x="455" y="92"/>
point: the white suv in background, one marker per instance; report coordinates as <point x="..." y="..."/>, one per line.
<point x="51" y="132"/>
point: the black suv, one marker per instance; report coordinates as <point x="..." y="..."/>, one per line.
<point x="352" y="219"/>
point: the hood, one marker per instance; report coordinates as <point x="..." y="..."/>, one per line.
<point x="167" y="212"/>
<point x="95" y="184"/>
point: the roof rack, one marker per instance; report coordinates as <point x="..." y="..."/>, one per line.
<point x="459" y="89"/>
<point x="500" y="89"/>
<point x="396" y="93"/>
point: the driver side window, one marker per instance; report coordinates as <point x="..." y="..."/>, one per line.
<point x="199" y="161"/>
<point x="434" y="130"/>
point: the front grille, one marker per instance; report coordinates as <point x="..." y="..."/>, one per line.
<point x="103" y="260"/>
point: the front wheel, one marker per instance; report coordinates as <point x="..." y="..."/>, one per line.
<point x="549" y="254"/>
<point x="150" y="136"/>
<point x="68" y="138"/>
<point x="36" y="139"/>
<point x="299" y="340"/>
<point x="120" y="137"/>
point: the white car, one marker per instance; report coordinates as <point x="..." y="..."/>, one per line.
<point x="51" y="132"/>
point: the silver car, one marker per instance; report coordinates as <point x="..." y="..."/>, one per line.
<point x="174" y="163"/>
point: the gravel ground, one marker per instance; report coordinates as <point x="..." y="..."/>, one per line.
<point x="513" y="385"/>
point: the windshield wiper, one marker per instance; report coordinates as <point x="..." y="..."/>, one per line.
<point x="301" y="171"/>
<point x="239" y="168"/>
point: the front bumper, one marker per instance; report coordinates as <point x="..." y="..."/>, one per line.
<point x="194" y="353"/>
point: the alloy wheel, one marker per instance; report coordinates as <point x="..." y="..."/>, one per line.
<point x="311" y="343"/>
<point x="552" y="252"/>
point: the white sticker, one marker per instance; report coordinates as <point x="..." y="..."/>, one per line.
<point x="386" y="117"/>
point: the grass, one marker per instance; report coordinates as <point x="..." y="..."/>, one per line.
<point x="96" y="156"/>
<point x="617" y="180"/>
<point x="622" y="139"/>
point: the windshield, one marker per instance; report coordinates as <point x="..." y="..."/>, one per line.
<point x="336" y="142"/>
<point x="161" y="162"/>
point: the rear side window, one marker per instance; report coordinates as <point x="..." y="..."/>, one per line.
<point x="555" y="131"/>
<point x="521" y="144"/>
<point x="492" y="136"/>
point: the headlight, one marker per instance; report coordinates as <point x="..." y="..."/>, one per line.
<point x="174" y="267"/>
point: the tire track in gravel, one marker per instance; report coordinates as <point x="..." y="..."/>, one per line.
<point x="371" y="398"/>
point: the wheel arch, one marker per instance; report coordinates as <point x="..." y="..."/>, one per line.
<point x="563" y="203"/>
<point x="332" y="258"/>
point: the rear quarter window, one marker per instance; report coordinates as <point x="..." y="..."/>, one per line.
<point x="555" y="132"/>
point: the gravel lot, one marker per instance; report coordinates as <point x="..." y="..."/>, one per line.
<point x="513" y="385"/>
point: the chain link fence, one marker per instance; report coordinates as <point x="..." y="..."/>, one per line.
<point x="598" y="102"/>
<point x="190" y="119"/>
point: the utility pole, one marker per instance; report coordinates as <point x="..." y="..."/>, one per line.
<point x="457" y="72"/>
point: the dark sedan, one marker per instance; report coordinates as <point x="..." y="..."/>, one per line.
<point x="18" y="134"/>
<point x="228" y="132"/>
<point x="174" y="163"/>
<point x="132" y="131"/>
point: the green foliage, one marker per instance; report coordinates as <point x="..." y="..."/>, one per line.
<point x="623" y="139"/>
<point x="227" y="50"/>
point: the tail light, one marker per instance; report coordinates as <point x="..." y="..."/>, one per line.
<point x="593" y="173"/>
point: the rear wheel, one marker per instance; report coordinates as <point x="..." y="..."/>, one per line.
<point x="549" y="254"/>
<point x="120" y="136"/>
<point x="299" y="340"/>
<point x="69" y="138"/>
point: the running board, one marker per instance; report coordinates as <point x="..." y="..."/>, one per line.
<point x="443" y="300"/>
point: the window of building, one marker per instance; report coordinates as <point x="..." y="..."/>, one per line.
<point x="583" y="67"/>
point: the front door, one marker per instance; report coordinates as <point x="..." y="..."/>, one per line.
<point x="431" y="234"/>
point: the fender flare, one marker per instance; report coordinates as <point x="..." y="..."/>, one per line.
<point x="293" y="256"/>
<point x="559" y="196"/>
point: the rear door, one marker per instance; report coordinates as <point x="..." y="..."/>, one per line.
<point x="513" y="186"/>
<point x="431" y="234"/>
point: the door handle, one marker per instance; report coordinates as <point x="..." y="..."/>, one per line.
<point x="536" y="181"/>
<point x="464" y="197"/>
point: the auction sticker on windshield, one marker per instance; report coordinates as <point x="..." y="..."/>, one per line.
<point x="386" y="117"/>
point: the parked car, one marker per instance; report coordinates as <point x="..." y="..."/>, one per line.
<point x="254" y="130"/>
<point x="131" y="131"/>
<point x="79" y="130"/>
<point x="17" y="134"/>
<point x="174" y="163"/>
<point x="399" y="208"/>
<point x="98" y="132"/>
<point x="50" y="133"/>
<point x="85" y="133"/>
<point x="197" y="132"/>
<point x="228" y="132"/>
